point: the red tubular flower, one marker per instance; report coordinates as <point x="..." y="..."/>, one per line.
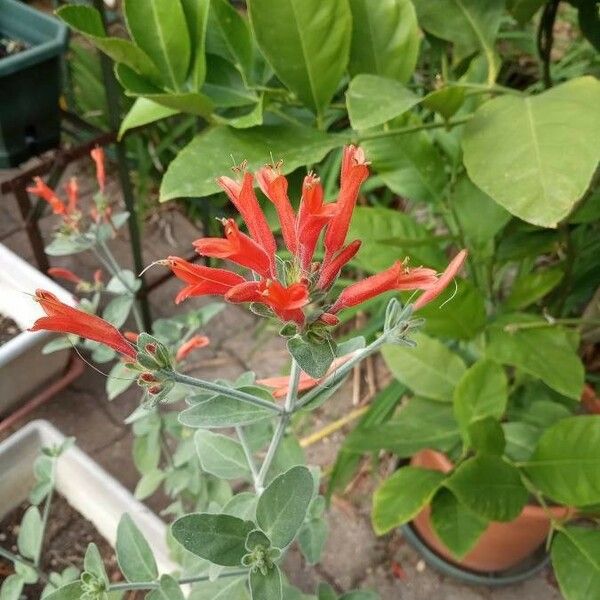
<point x="97" y="155"/>
<point x="397" y="277"/>
<point x="132" y="336"/>
<point x="244" y="199"/>
<point x="201" y="280"/>
<point x="43" y="191"/>
<point x="72" y="194"/>
<point x="238" y="248"/>
<point x="354" y="172"/>
<point x="98" y="277"/>
<point x="442" y="283"/>
<point x="198" y="341"/>
<point x="274" y="186"/>
<point x="66" y="319"/>
<point x="286" y="302"/>
<point x="332" y="269"/>
<point x="313" y="215"/>
<point x="65" y="274"/>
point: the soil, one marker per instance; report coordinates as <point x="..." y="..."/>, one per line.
<point x="8" y="329"/>
<point x="10" y="47"/>
<point x="66" y="540"/>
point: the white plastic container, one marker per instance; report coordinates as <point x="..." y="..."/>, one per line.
<point x="23" y="368"/>
<point x="86" y="486"/>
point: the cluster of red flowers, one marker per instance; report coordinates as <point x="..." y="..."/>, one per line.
<point x="296" y="290"/>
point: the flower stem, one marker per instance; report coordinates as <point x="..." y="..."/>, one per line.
<point x="209" y="386"/>
<point x="149" y="585"/>
<point x="411" y="129"/>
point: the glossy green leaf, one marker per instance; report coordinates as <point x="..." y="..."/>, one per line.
<point x="266" y="586"/>
<point x="208" y="155"/>
<point x="189" y="102"/>
<point x="458" y="312"/>
<point x="409" y="164"/>
<point x="87" y="21"/>
<point x="430" y="369"/>
<point x="309" y="47"/>
<point x="481" y="392"/>
<point x="373" y="100"/>
<point x="30" y="534"/>
<point x="313" y="356"/>
<point x="389" y="235"/>
<point x="470" y="25"/>
<point x="457" y="527"/>
<point x="311" y="539"/>
<point x="142" y="112"/>
<point x="196" y="16"/>
<point x="402" y="496"/>
<point x="566" y="463"/>
<point x="531" y="287"/>
<point x="521" y="439"/>
<point x="168" y="589"/>
<point x="385" y="39"/>
<point x="223" y="411"/>
<point x="282" y="506"/>
<point x="523" y="10"/>
<point x="221" y="455"/>
<point x="486" y="436"/>
<point x="576" y="561"/>
<point x="543" y="352"/>
<point x="445" y="101"/>
<point x="221" y="539"/>
<point x="421" y="424"/>
<point x="490" y="487"/>
<point x="225" y="86"/>
<point x="514" y="149"/>
<point x="134" y="554"/>
<point x="159" y="28"/>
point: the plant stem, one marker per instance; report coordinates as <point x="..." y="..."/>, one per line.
<point x="511" y="327"/>
<point x="149" y="585"/>
<point x="411" y="129"/>
<point x="248" y="452"/>
<point x="46" y="515"/>
<point x="221" y="389"/>
<point x="16" y="558"/>
<point x="284" y="420"/>
<point x="484" y="87"/>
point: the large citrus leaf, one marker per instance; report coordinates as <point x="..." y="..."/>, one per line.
<point x="535" y="155"/>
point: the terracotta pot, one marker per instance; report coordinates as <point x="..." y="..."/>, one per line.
<point x="502" y="545"/>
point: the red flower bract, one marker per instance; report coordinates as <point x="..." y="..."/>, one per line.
<point x="66" y="319"/>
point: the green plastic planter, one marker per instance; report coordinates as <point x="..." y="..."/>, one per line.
<point x="30" y="83"/>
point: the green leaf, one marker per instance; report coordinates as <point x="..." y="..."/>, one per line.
<point x="373" y="100"/>
<point x="314" y="357"/>
<point x="142" y="112"/>
<point x="490" y="487"/>
<point x="566" y="463"/>
<point x="87" y="21"/>
<point x="225" y="86"/>
<point x="230" y="588"/>
<point x="146" y="450"/>
<point x="545" y="181"/>
<point x="385" y="39"/>
<point x="521" y="439"/>
<point x="288" y="455"/>
<point x="481" y="392"/>
<point x="575" y="552"/>
<point x="430" y="369"/>
<point x="30" y="534"/>
<point x="282" y="506"/>
<point x="231" y="36"/>
<point x="159" y="28"/>
<point x="12" y="587"/>
<point x="531" y="287"/>
<point x="196" y="16"/>
<point x="421" y="424"/>
<point x="470" y="24"/>
<point x="266" y="586"/>
<point x="119" y="379"/>
<point x="486" y="436"/>
<point x="223" y="411"/>
<point x="242" y="505"/>
<point x="71" y="591"/>
<point x="311" y="539"/>
<point x="209" y="155"/>
<point x="92" y="563"/>
<point x="189" y="102"/>
<point x="389" y="234"/>
<point x="117" y="310"/>
<point x="457" y="527"/>
<point x="168" y="589"/>
<point x="221" y="455"/>
<point x="309" y="48"/>
<point x="410" y="165"/>
<point x="402" y="496"/>
<point x="148" y="483"/>
<point x="221" y="539"/>
<point x="457" y="313"/>
<point x="544" y="352"/>
<point x="445" y="101"/>
<point x="523" y="10"/>
<point x="134" y="554"/>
